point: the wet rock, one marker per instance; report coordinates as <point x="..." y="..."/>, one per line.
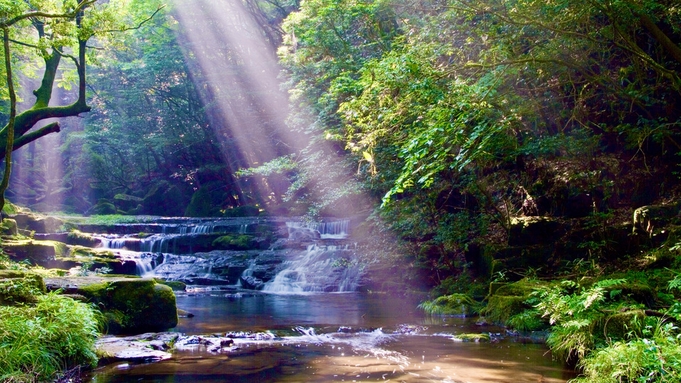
<point x="140" y="349"/>
<point x="253" y="283"/>
<point x="477" y="338"/>
<point x="212" y="343"/>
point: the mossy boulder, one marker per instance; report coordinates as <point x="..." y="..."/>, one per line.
<point x="242" y="211"/>
<point x="38" y="223"/>
<point x="206" y="201"/>
<point x="649" y="218"/>
<point x="508" y="300"/>
<point x="104" y="207"/>
<point x="477" y="338"/>
<point x="134" y="305"/>
<point x="42" y="253"/>
<point x="8" y="227"/>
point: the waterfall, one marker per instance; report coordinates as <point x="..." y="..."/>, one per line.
<point x="327" y="230"/>
<point x="145" y="265"/>
<point x="319" y="269"/>
<point x="159" y="243"/>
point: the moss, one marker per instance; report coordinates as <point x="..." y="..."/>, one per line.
<point x="175" y="285"/>
<point x="134" y="305"/>
<point x="82" y="251"/>
<point x="477" y="338"/>
<point x="623" y="325"/>
<point x="511" y="299"/>
<point x="454" y="304"/>
<point x="8" y="227"/>
<point x="235" y="242"/>
<point x="77" y="237"/>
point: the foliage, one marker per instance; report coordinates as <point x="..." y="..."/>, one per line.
<point x="455" y="304"/>
<point x="653" y="357"/>
<point x="586" y="317"/>
<point x="36" y="342"/>
<point x="512" y="303"/>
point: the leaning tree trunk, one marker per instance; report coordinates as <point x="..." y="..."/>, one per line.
<point x="12" y="116"/>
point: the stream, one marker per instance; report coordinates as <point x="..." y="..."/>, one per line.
<point x="297" y="328"/>
<point x="346" y="337"/>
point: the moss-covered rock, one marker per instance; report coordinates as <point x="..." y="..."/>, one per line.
<point x="8" y="227"/>
<point x="236" y="242"/>
<point x="38" y="223"/>
<point x="175" y="285"/>
<point x="134" y="305"/>
<point x="477" y="338"/>
<point x="508" y="300"/>
<point x="104" y="207"/>
<point x="648" y="218"/>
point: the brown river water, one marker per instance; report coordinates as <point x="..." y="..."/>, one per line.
<point x="343" y="337"/>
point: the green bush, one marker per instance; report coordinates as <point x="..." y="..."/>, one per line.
<point x="656" y="357"/>
<point x="455" y="304"/>
<point x="37" y="342"/>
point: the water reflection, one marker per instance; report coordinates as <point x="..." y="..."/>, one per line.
<point x="374" y="345"/>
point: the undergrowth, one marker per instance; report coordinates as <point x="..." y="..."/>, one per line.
<point x="39" y="341"/>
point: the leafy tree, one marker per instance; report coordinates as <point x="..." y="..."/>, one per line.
<point x="49" y="32"/>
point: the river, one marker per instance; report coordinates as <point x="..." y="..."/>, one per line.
<point x="337" y="337"/>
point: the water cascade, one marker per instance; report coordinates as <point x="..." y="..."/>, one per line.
<point x="319" y="269"/>
<point x="326" y="230"/>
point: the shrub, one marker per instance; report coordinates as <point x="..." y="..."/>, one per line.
<point x="455" y="304"/>
<point x="656" y="357"/>
<point x="37" y="342"/>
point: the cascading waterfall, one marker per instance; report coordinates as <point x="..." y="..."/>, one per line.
<point x="319" y="269"/>
<point x="327" y="230"/>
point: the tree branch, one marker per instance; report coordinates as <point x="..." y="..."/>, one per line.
<point x="141" y="23"/>
<point x="34" y="14"/>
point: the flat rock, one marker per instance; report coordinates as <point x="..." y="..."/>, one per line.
<point x="144" y="348"/>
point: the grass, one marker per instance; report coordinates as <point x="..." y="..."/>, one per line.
<point x="39" y="341"/>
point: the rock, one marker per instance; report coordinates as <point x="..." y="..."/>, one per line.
<point x="212" y="343"/>
<point x="253" y="283"/>
<point x="130" y="305"/>
<point x="141" y="349"/>
<point x="528" y="231"/>
<point x="648" y="218"/>
<point x="8" y="227"/>
<point x="37" y="223"/>
<point x="42" y="253"/>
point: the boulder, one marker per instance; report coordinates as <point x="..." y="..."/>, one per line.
<point x="8" y="227"/>
<point x="130" y="305"/>
<point x="38" y="223"/>
<point x="143" y="348"/>
<point x="649" y="218"/>
<point x="253" y="283"/>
